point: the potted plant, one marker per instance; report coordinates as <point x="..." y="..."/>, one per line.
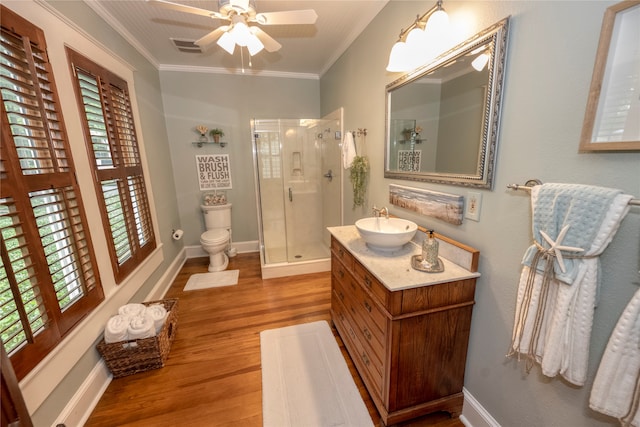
<point x="216" y="134"/>
<point x="358" y="176"/>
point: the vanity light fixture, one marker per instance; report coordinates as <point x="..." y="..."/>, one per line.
<point x="421" y="41"/>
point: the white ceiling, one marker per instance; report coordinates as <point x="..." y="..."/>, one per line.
<point x="306" y="49"/>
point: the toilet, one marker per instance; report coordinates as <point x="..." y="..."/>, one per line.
<point x="215" y="240"/>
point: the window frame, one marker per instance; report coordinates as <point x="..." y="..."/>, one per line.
<point x="122" y="153"/>
<point x="18" y="192"/>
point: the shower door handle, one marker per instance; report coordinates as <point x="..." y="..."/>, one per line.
<point x="290" y="194"/>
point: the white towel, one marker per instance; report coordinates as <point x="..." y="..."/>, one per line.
<point x="614" y="389"/>
<point x="563" y="324"/>
<point x="158" y="313"/>
<point x="348" y="150"/>
<point x="116" y="329"/>
<point x="141" y="327"/>
<point x="132" y="309"/>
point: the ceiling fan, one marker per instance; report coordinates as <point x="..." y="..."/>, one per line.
<point x="240" y="14"/>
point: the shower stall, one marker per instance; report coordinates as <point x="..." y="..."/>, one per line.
<point x="299" y="192"/>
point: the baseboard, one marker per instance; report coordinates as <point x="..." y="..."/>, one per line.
<point x="83" y="402"/>
<point x="474" y="414"/>
<point x="79" y="408"/>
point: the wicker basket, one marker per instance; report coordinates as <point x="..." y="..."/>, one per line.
<point x="130" y="357"/>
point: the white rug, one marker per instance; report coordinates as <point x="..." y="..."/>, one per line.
<point x="306" y="381"/>
<point x="212" y="280"/>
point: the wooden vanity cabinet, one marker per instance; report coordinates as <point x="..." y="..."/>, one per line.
<point x="409" y="346"/>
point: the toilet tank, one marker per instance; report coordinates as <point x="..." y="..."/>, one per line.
<point x="217" y="216"/>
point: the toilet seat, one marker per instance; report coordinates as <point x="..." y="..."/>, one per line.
<point x="214" y="237"/>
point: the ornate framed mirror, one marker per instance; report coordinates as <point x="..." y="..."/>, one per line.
<point x="442" y="119"/>
<point x="612" y="117"/>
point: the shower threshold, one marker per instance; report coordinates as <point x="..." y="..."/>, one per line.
<point x="271" y="271"/>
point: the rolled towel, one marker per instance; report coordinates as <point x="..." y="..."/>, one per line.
<point x="158" y="313"/>
<point x="141" y="327"/>
<point x="132" y="309"/>
<point x="116" y="329"/>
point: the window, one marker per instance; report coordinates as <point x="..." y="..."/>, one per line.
<point x="111" y="140"/>
<point x="48" y="278"/>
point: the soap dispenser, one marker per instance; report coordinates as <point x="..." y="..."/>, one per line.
<point x="430" y="251"/>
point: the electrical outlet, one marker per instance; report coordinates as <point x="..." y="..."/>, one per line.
<point x="472" y="207"/>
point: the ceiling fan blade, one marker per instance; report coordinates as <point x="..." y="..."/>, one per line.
<point x="210" y="38"/>
<point x="307" y="16"/>
<point x="269" y="42"/>
<point x="187" y="9"/>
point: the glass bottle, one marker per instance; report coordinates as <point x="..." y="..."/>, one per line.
<point x="430" y="251"/>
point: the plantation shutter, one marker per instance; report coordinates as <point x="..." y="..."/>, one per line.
<point x="47" y="276"/>
<point x="111" y="139"/>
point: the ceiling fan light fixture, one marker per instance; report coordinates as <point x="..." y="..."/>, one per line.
<point x="227" y="42"/>
<point x="254" y="45"/>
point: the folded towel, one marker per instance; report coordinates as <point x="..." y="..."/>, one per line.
<point x="141" y="327"/>
<point x="615" y="388"/>
<point x="158" y="313"/>
<point x="348" y="150"/>
<point x="116" y="329"/>
<point x="132" y="309"/>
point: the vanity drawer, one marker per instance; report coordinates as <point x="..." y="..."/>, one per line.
<point x="362" y="302"/>
<point x="369" y="332"/>
<point x="371" y="283"/>
<point x="368" y="365"/>
<point x="342" y="254"/>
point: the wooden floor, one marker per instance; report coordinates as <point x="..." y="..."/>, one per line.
<point x="213" y="374"/>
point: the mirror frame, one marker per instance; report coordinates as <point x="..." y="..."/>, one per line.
<point x="600" y="70"/>
<point x="496" y="35"/>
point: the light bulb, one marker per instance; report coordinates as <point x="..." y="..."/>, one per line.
<point x="398" y="58"/>
<point x="254" y="45"/>
<point x="438" y="21"/>
<point x="227" y="43"/>
<point x="480" y="62"/>
<point x="241" y="33"/>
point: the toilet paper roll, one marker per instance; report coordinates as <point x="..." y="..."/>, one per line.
<point x="177" y="234"/>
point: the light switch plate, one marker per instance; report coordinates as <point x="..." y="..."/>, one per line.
<point x="472" y="207"/>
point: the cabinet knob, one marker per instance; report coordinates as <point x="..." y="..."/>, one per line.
<point x="366" y="333"/>
<point x="365" y="358"/>
<point x="367" y="306"/>
<point x="367" y="281"/>
<point x="341" y="274"/>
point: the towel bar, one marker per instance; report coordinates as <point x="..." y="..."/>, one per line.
<point x="533" y="182"/>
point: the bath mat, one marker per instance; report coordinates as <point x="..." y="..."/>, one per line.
<point x="216" y="279"/>
<point x="306" y="381"/>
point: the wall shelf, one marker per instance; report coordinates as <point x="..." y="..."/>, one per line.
<point x="199" y="144"/>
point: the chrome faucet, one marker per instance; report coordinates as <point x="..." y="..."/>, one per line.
<point x="382" y="211"/>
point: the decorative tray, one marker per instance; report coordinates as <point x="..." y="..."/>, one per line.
<point x="416" y="262"/>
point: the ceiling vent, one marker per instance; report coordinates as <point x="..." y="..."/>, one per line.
<point x="187" y="46"/>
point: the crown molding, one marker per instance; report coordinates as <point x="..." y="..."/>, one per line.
<point x="237" y="72"/>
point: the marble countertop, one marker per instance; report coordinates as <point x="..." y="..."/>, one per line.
<point x="394" y="269"/>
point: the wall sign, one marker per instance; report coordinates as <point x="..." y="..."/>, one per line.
<point x="214" y="172"/>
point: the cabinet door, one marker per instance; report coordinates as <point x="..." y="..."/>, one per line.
<point x="431" y="355"/>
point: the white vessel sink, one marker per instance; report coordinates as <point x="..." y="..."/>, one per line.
<point x="386" y="234"/>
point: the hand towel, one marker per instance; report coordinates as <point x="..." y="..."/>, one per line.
<point x="553" y="318"/>
<point x="348" y="150"/>
<point x="158" y="313"/>
<point x="116" y="329"/>
<point x="132" y="309"/>
<point x="141" y="327"/>
<point x="615" y="389"/>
